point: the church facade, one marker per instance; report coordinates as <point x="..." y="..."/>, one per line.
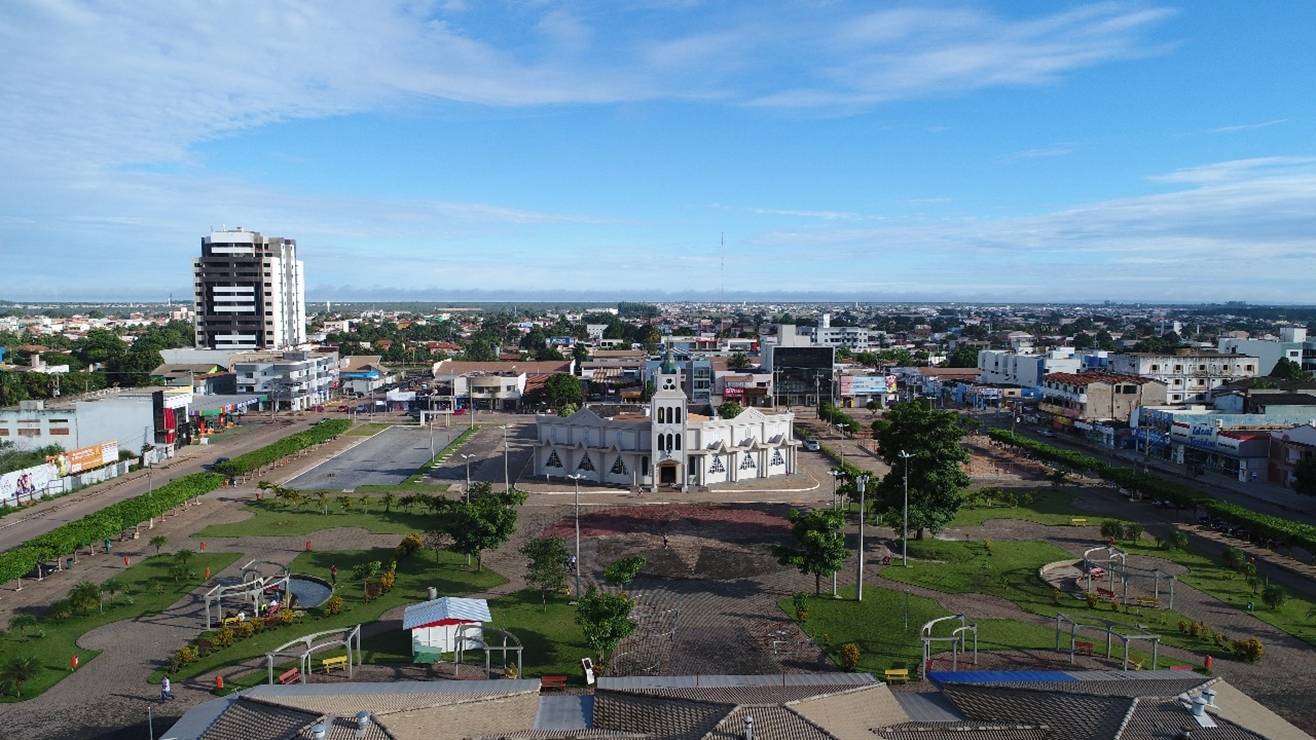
<point x="664" y="444"/>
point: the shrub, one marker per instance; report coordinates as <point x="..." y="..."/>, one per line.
<point x="1112" y="530"/>
<point x="246" y="629"/>
<point x="408" y="546"/>
<point x="1250" y="649"/>
<point x="387" y="580"/>
<point x="1274" y="596"/>
<point x="1091" y="598"/>
<point x="224" y="636"/>
<point x="800" y="602"/>
<point x="1234" y="558"/>
<point x="1183" y="626"/>
<point x="1132" y="531"/>
<point x="334" y="605"/>
<point x="293" y="443"/>
<point x="285" y="616"/>
<point x="849" y="655"/>
<point x="184" y="656"/>
<point x="1180" y="540"/>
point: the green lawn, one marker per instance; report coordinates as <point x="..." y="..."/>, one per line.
<point x="145" y="588"/>
<point x="271" y="518"/>
<point x="1042" y="505"/>
<point x="1297" y="616"/>
<point x="552" y="640"/>
<point x="403" y="489"/>
<point x="1008" y="570"/>
<point x="878" y="627"/>
<point x="444" y="570"/>
<point x="442" y="455"/>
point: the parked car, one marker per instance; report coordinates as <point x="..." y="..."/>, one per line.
<point x="218" y="461"/>
<point x="811" y="445"/>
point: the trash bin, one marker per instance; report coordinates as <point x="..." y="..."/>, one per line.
<point x="434" y="593"/>
<point x="108" y="545"/>
<point x="68" y="563"/>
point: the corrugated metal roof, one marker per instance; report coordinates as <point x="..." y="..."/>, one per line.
<point x="446" y="607"/>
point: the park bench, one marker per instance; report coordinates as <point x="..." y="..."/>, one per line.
<point x="1181" y="667"/>
<point x="1147" y="601"/>
<point x="1083" y="647"/>
<point x="230" y="621"/>
<point x="553" y="681"/>
<point x="1106" y="593"/>
<point x="292" y="675"/>
<point x="1078" y="521"/>
<point x="336" y="662"/>
<point x="894" y="675"/>
<point x="1136" y="664"/>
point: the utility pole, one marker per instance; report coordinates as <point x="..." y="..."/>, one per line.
<point x="507" y="479"/>
<point x="576" y="477"/>
<point x="467" y="458"/>
<point x="861" y="482"/>
<point x="904" y="527"/>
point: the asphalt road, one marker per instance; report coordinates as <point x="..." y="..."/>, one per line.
<point x="383" y="460"/>
<point x="486" y="449"/>
<point x="17" y="528"/>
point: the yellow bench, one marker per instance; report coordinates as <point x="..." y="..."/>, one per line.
<point x="1078" y="521"/>
<point x="230" y="621"/>
<point x="897" y="674"/>
<point x="1136" y="664"/>
<point x="339" y="662"/>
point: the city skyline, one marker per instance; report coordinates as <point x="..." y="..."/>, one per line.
<point x="959" y="152"/>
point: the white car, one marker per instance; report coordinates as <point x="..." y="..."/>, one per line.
<point x="811" y="445"/>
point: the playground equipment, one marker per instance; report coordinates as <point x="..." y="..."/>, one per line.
<point x="958" y="639"/>
<point x="478" y="639"/>
<point x="1108" y="628"/>
<point x="307" y="646"/>
<point x="1115" y="563"/>
<point x="250" y="590"/>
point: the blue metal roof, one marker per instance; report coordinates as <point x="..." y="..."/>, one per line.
<point x="999" y="677"/>
<point x="446" y="607"/>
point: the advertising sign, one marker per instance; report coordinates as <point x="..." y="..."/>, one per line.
<point x="87" y="458"/>
<point x="26" y="483"/>
<point x="867" y="385"/>
<point x="731" y="391"/>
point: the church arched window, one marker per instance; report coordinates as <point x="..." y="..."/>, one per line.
<point x="677" y="420"/>
<point x="678" y="442"/>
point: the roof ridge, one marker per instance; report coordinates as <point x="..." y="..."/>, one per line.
<point x="810" y="722"/>
<point x="468" y="700"/>
<point x="1128" y="717"/>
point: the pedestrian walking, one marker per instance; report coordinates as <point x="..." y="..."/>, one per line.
<point x="333" y="574"/>
<point x="166" y="690"/>
<point x="664" y="540"/>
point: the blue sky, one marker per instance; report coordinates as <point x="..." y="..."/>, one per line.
<point x="962" y="151"/>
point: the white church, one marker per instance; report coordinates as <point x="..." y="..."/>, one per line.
<point x="665" y="445"/>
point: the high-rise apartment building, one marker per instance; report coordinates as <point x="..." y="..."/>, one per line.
<point x="250" y="292"/>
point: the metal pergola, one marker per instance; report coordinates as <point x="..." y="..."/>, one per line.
<point x="250" y="589"/>
<point x="1109" y="629"/>
<point x="309" y="646"/>
<point x="958" y="638"/>
<point x="482" y="643"/>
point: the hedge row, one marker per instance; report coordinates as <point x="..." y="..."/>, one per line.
<point x="829" y="413"/>
<point x="1154" y="486"/>
<point x="108" y="522"/>
<point x="293" y="443"/>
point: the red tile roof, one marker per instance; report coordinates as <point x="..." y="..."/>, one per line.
<point x="1087" y="378"/>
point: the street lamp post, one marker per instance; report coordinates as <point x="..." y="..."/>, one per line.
<point x="467" y="458"/>
<point x="904" y="527"/>
<point x="507" y="478"/>
<point x="835" y="474"/>
<point x="861" y="482"/>
<point x="576" y="477"/>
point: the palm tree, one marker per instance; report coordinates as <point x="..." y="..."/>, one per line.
<point x="22" y="622"/>
<point x="345" y="502"/>
<point x="182" y="567"/>
<point x="408" y="502"/>
<point x="19" y="670"/>
<point x="158" y="542"/>
<point x="83" y="595"/>
<point x="295" y="498"/>
<point x="110" y="588"/>
<point x="322" y="499"/>
<point x="388" y="500"/>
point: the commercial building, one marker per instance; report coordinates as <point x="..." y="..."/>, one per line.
<point x="853" y="338"/>
<point x="250" y="292"/>
<point x="1189" y="375"/>
<point x="132" y="418"/>
<point x="1026" y="370"/>
<point x="1292" y="345"/>
<point x="362" y="374"/>
<point x="498" y="386"/>
<point x="295" y="381"/>
<point x="1289" y="447"/>
<point x="751" y="387"/>
<point x="664" y="444"/>
<point x="802" y="371"/>
<point x="696" y="376"/>
<point x="1098" y="396"/>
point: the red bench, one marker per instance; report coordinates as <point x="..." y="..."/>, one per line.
<point x="1182" y="667"/>
<point x="292" y="675"/>
<point x="553" y="681"/>
<point x="1083" y="647"/>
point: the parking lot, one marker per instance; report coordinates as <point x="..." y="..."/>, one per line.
<point x="486" y="449"/>
<point x="385" y="459"/>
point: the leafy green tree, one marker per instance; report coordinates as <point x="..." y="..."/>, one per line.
<point x="158" y="542"/>
<point x="605" y="620"/>
<point x="483" y="523"/>
<point x="1287" y="369"/>
<point x="579" y="353"/>
<point x="819" y="546"/>
<point x="561" y="389"/>
<point x="182" y="565"/>
<point x="729" y="410"/>
<point x="622" y="571"/>
<point x="936" y="465"/>
<point x="738" y="361"/>
<point x="99" y="346"/>
<point x="481" y="350"/>
<point x="1304" y="475"/>
<point x="84" y="597"/>
<point x="963" y="357"/>
<point x="547" y="570"/>
<point x="17" y="671"/>
<point x="1274" y="596"/>
<point x="389" y="500"/>
<point x="363" y="572"/>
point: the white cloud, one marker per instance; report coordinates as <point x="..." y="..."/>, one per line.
<point x="1247" y="126"/>
<point x="1054" y="150"/>
<point x="1257" y="216"/>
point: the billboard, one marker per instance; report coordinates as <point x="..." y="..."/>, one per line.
<point x="802" y="358"/>
<point x="26" y="483"/>
<point x="867" y="385"/>
<point x="86" y="458"/>
<point x="732" y="391"/>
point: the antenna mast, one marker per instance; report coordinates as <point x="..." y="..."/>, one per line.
<point x="722" y="271"/>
